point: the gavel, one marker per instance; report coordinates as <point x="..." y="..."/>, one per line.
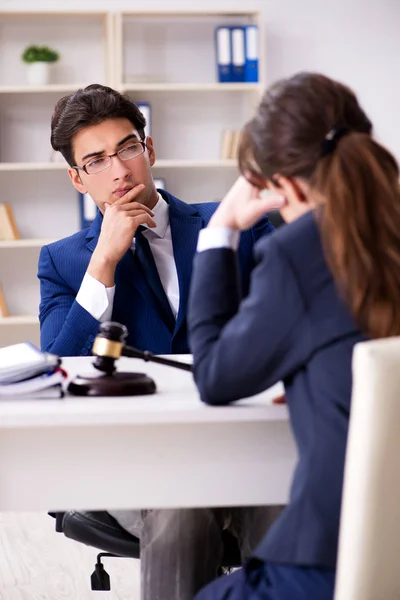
<point x="108" y="346"/>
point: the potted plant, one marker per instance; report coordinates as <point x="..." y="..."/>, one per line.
<point x="38" y="60"/>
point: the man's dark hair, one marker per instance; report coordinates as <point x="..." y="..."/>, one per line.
<point x="86" y="107"/>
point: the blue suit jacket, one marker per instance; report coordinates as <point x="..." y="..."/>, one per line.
<point x="293" y="326"/>
<point x="140" y="302"/>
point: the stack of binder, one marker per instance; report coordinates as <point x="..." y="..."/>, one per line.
<point x="87" y="209"/>
<point x="27" y="372"/>
<point x="237" y="53"/>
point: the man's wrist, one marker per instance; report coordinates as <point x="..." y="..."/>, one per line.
<point x="95" y="298"/>
<point x="102" y="268"/>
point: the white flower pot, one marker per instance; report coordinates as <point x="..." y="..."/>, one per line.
<point x="38" y="73"/>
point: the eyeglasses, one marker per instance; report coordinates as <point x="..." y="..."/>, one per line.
<point x="104" y="162"/>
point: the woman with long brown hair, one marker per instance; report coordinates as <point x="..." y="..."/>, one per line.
<point x="323" y="282"/>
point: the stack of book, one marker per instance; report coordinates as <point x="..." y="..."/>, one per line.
<point x="28" y="373"/>
<point x="230" y="144"/>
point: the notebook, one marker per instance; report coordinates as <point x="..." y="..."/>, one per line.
<point x="25" y="360"/>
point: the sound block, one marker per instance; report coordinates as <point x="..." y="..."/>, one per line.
<point x="118" y="384"/>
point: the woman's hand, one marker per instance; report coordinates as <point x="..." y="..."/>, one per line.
<point x="243" y="206"/>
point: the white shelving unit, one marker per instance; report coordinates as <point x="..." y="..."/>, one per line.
<point x="19" y="320"/>
<point x="189" y="87"/>
<point x="25" y="243"/>
<point x="40" y="89"/>
<point x="31" y="166"/>
<point x="164" y="58"/>
<point x="38" y="190"/>
<point x="161" y="164"/>
<point x="168" y="59"/>
<point x="19" y="328"/>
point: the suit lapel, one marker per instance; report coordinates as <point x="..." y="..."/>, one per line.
<point x="185" y="223"/>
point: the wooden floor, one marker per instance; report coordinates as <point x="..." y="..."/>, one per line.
<point x="36" y="563"/>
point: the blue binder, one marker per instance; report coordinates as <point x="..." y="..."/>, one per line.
<point x="87" y="210"/>
<point x="223" y="54"/>
<point x="145" y="109"/>
<point x="251" y="54"/>
<point x="238" y="53"/>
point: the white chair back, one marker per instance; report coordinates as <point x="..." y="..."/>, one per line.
<point x="369" y="541"/>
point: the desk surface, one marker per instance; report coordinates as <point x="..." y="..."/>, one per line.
<point x="158" y="451"/>
<point x="176" y="401"/>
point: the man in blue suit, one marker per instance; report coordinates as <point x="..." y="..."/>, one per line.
<point x="133" y="265"/>
<point x="108" y="271"/>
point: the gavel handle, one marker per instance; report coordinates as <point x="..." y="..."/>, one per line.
<point x="149" y="357"/>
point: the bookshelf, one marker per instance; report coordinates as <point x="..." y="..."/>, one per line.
<point x="189" y="87"/>
<point x="161" y="164"/>
<point x="31" y="89"/>
<point x="25" y="243"/>
<point x="31" y="166"/>
<point x="19" y="328"/>
<point x="20" y="320"/>
<point x="164" y="58"/>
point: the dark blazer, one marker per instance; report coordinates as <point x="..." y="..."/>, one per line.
<point x="140" y="302"/>
<point x="293" y="326"/>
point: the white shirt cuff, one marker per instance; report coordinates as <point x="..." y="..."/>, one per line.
<point x="218" y="237"/>
<point x="95" y="298"/>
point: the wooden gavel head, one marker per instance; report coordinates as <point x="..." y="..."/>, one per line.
<point x="108" y="346"/>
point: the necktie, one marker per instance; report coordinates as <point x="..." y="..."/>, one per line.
<point x="145" y="261"/>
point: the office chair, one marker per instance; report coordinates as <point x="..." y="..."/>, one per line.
<point x="100" y="530"/>
<point x="369" y="537"/>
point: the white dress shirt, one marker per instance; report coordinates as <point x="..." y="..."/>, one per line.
<point x="98" y="300"/>
<point x="160" y="242"/>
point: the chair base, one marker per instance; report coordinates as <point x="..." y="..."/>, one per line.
<point x="100" y="579"/>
